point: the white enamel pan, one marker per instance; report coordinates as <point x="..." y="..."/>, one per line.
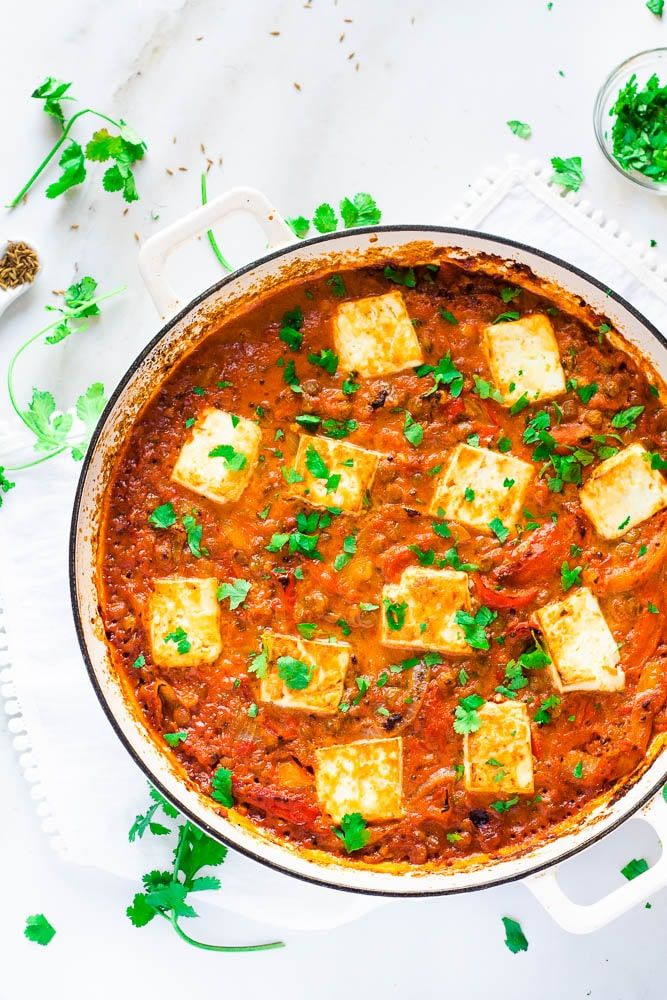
<point x="183" y="326"/>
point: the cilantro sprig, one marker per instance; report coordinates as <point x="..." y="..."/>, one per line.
<point x="39" y="929"/>
<point x="54" y="429"/>
<point x="124" y="148"/>
<point x="166" y="893"/>
<point x="353" y="832"/>
<point x="360" y="210"/>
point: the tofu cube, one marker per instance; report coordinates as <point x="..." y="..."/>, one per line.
<point x="623" y="491"/>
<point x="344" y="473"/>
<point x="481" y="475"/>
<point x="220" y="478"/>
<point x="498" y="758"/>
<point x="374" y="336"/>
<point x="584" y="655"/>
<point x="187" y="611"/>
<point x="424" y="605"/>
<point x="328" y="661"/>
<point x="523" y="357"/>
<point x="364" y="777"/>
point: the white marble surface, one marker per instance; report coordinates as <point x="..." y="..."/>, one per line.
<point x="421" y="117"/>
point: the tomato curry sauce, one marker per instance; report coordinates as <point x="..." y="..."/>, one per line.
<point x="295" y="569"/>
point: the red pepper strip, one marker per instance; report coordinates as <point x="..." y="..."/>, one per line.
<point x="499" y="599"/>
<point x="285" y="803"/>
<point x="642" y="641"/>
<point x="538" y="555"/>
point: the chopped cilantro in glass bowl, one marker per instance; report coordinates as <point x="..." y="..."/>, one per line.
<point x="630" y="119"/>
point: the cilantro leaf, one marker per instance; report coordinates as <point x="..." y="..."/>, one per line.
<point x="353" y="832"/>
<point x="140" y="911"/>
<point x="296" y="674"/>
<point x="444" y="373"/>
<point x="635" y="867"/>
<point x="233" y="459"/>
<point x="326" y="359"/>
<point x="50" y="429"/>
<point x="655" y="6"/>
<point x="474" y="626"/>
<point x="299" y="226"/>
<point x="73" y="170"/>
<point x="500" y="531"/>
<point x="360" y="211"/>
<point x="484" y="389"/>
<point x="325" y="219"/>
<point x="38" y="929"/>
<point x="5" y="484"/>
<point x="401" y="275"/>
<point x="221" y="787"/>
<point x="395" y="614"/>
<point x="349" y="549"/>
<point x="337" y="285"/>
<point x="193" y="534"/>
<point x="173" y="739"/>
<point x="466" y="719"/>
<point x="237" y="592"/>
<point x="52" y="92"/>
<point x="543" y="714"/>
<point x="414" y="432"/>
<point x="180" y="638"/>
<point x="163" y="516"/>
<point x="506" y="317"/>
<point x="89" y="408"/>
<point x="568" y="577"/>
<point x="520" y="129"/>
<point x="515" y="939"/>
<point x="567" y="172"/>
<point x="627" y="418"/>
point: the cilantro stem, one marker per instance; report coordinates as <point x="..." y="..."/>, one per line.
<point x="209" y="232"/>
<point x="40" y="333"/>
<point x="271" y="945"/>
<point x="183" y="835"/>
<point x="47" y="159"/>
<point x="37" y="461"/>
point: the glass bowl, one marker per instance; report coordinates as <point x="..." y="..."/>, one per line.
<point x="643" y="65"/>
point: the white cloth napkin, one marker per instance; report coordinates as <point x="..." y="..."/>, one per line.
<point x="86" y="788"/>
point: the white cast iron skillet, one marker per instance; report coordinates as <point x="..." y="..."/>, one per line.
<point x="184" y="325"/>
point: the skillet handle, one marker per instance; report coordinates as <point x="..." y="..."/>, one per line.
<point x="580" y="919"/>
<point x="156" y="251"/>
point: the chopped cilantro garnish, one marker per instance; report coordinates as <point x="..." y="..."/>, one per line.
<point x="38" y="929"/>
<point x="520" y="129"/>
<point x="349" y="549"/>
<point x="543" y="714"/>
<point x="326" y="359"/>
<point x="466" y="718"/>
<point x="500" y="531"/>
<point x="353" y="832"/>
<point x="221" y="785"/>
<point x="515" y="939"/>
<point x="567" y="172"/>
<point x="447" y="316"/>
<point x="296" y="674"/>
<point x="173" y="739"/>
<point x="506" y="317"/>
<point x="568" y="577"/>
<point x="395" y="614"/>
<point x="233" y="459"/>
<point x="414" y="432"/>
<point x="180" y="637"/>
<point x="163" y="516"/>
<point x="474" y="626"/>
<point x="444" y="373"/>
<point x="627" y="418"/>
<point x="237" y="592"/>
<point x="401" y="275"/>
<point x="634" y="868"/>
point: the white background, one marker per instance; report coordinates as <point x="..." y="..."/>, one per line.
<point x="420" y="118"/>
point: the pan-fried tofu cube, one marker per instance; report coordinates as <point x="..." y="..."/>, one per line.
<point x="374" y="336"/>
<point x="478" y="486"/>
<point x="524" y="358"/>
<point x="498" y="757"/>
<point x="583" y="653"/>
<point x="333" y="473"/>
<point x="325" y="662"/>
<point x="184" y="621"/>
<point x="623" y="491"/>
<point x="364" y="777"/>
<point x="420" y="610"/>
<point x="223" y="475"/>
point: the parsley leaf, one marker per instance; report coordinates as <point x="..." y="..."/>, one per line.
<point x="38" y="929"/>
<point x="353" y="832"/>
<point x="520" y="129"/>
<point x="567" y="172"/>
<point x="237" y="592"/>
